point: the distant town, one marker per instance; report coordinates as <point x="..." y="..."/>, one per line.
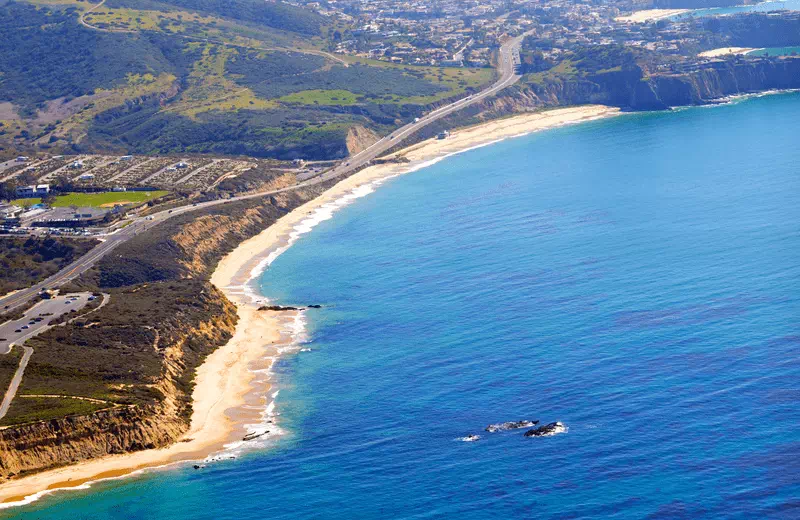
<point x="464" y="34"/>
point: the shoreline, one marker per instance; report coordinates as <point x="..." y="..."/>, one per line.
<point x="233" y="391"/>
<point x="650" y="15"/>
<point x="726" y="51"/>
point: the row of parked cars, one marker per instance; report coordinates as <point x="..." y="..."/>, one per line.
<point x="34" y="321"/>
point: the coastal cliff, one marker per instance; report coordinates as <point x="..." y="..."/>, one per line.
<point x="634" y="88"/>
<point x="73" y="439"/>
<point x="360" y="138"/>
<point x="134" y="360"/>
<point x="148" y="406"/>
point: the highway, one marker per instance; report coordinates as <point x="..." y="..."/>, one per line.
<point x="507" y="59"/>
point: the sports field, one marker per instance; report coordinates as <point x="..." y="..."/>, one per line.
<point x="98" y="200"/>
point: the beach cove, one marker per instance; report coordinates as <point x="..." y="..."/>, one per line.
<point x="634" y="278"/>
<point x="233" y="385"/>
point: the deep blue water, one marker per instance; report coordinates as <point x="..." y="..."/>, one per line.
<point x="637" y="279"/>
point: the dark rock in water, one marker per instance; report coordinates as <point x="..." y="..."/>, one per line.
<point x="254" y="435"/>
<point x="278" y="308"/>
<point x="315" y="306"/>
<point x="512" y="425"/>
<point x="196" y="466"/>
<point x="547" y="430"/>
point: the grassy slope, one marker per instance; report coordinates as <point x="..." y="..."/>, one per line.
<point x="26" y="409"/>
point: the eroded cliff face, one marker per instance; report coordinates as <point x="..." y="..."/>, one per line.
<point x="39" y="446"/>
<point x="721" y="80"/>
<point x="360" y="138"/>
<point x="59" y="442"/>
<point x="635" y="89"/>
<point x="162" y="286"/>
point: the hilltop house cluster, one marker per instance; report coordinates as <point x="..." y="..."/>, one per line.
<point x="463" y="33"/>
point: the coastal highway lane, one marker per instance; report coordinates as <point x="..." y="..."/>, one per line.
<point x="507" y="58"/>
<point x="508" y="76"/>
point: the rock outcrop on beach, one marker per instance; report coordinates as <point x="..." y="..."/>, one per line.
<point x="279" y="308"/>
<point x="287" y="307"/>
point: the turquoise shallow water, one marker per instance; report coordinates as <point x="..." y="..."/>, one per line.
<point x="637" y="279"/>
<point x="776" y="51"/>
<point x="761" y="7"/>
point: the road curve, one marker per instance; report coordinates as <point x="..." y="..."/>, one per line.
<point x="508" y="76"/>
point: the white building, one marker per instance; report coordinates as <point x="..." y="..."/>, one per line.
<point x="33" y="191"/>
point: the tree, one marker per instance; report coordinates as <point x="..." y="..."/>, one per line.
<point x="8" y="190"/>
<point x="49" y="198"/>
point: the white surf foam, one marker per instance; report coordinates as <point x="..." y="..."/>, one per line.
<point x="469" y="438"/>
<point x="29" y="499"/>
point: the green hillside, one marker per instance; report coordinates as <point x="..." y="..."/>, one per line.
<point x="271" y="14"/>
<point x="47" y="54"/>
<point x="201" y="76"/>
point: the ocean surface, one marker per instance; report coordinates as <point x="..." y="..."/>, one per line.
<point x="637" y="279"/>
<point x="775" y="51"/>
<point x="761" y="7"/>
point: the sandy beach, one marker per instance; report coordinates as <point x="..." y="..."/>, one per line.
<point x="725" y="51"/>
<point x="650" y="15"/>
<point x="225" y="380"/>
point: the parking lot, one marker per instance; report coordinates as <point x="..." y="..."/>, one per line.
<point x="38" y="318"/>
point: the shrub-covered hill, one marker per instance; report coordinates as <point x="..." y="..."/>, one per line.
<point x="47" y="54"/>
<point x="214" y="76"/>
<point x="277" y="15"/>
<point x="27" y="261"/>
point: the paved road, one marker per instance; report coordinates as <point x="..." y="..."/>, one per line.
<point x="507" y="63"/>
<point x="16" y="379"/>
<point x="29" y="328"/>
<point x="8" y="164"/>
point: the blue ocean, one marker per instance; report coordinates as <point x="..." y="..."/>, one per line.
<point x="636" y="278"/>
<point x="765" y="6"/>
